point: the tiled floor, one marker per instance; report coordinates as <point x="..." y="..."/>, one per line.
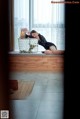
<point x="46" y="99"/>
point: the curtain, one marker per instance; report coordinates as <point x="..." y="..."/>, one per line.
<point x="58" y="23"/>
<point x="21" y="19"/>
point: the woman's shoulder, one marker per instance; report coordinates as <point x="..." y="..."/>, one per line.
<point x="42" y="37"/>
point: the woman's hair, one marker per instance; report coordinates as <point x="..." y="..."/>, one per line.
<point x="33" y="31"/>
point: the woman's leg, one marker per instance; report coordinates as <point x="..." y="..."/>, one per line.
<point x="55" y="51"/>
<point x="48" y="52"/>
<point x="52" y="48"/>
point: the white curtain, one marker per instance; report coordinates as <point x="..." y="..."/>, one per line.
<point x="43" y="16"/>
<point x="58" y="22"/>
<point x="21" y="19"/>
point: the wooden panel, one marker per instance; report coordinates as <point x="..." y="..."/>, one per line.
<point x="36" y="63"/>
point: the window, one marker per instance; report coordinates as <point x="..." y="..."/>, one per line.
<point x="41" y="15"/>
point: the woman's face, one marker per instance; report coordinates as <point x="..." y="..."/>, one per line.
<point x="35" y="35"/>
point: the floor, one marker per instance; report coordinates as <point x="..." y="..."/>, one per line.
<point x="46" y="99"/>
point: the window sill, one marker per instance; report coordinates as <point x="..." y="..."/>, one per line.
<point x="33" y="54"/>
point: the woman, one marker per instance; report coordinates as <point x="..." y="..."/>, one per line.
<point x="49" y="46"/>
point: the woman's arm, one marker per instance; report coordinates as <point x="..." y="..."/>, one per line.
<point x="28" y="36"/>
